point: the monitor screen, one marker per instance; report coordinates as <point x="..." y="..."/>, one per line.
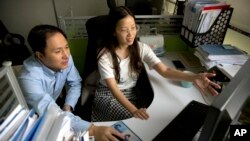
<point x="226" y="109"/>
<point x="145" y="7"/>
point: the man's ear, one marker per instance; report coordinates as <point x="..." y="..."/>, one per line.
<point x="39" y="55"/>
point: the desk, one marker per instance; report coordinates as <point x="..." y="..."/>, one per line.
<point x="169" y="99"/>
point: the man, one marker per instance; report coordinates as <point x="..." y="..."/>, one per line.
<point x="45" y="73"/>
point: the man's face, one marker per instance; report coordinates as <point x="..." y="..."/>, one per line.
<point x="56" y="53"/>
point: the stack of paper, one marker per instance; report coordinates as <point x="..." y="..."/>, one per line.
<point x="200" y="15"/>
<point x="229" y="70"/>
<point x="212" y="55"/>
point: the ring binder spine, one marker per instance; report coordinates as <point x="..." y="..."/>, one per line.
<point x="215" y="35"/>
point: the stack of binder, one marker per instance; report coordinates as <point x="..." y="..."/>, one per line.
<point x="12" y="122"/>
<point x="13" y="108"/>
<point x="18" y="122"/>
<point x="25" y="127"/>
<point x="212" y="55"/>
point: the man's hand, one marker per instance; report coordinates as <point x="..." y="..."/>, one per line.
<point x="67" y="108"/>
<point x="104" y="133"/>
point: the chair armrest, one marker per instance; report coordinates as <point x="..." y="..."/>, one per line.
<point x="89" y="86"/>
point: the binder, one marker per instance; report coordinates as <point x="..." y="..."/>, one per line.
<point x="207" y="19"/>
<point x="222" y="52"/>
<point x="60" y="129"/>
<point x="216" y="6"/>
<point x="46" y="122"/>
<point x="24" y="127"/>
<point x="33" y="129"/>
<point x="10" y="117"/>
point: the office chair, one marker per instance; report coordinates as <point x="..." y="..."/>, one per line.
<point x="111" y="3"/>
<point x="97" y="32"/>
<point x="12" y="47"/>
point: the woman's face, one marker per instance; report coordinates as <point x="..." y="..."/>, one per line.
<point x="125" y="31"/>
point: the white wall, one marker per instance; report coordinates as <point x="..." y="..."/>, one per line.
<point x="19" y="16"/>
<point x="241" y="13"/>
<point x="81" y="7"/>
<point x="239" y="40"/>
<point x="241" y="20"/>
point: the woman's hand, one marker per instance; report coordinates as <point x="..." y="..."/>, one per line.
<point x="205" y="85"/>
<point x="141" y="113"/>
<point x="105" y="133"/>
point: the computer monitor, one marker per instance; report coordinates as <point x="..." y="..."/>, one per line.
<point x="139" y="7"/>
<point x="226" y="108"/>
<point x="145" y="7"/>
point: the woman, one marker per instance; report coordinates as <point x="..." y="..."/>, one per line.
<point x="121" y="61"/>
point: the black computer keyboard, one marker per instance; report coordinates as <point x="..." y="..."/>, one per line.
<point x="186" y="124"/>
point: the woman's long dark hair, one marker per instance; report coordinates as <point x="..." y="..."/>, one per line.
<point x="135" y="64"/>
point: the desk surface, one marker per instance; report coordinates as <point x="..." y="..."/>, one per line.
<point x="169" y="99"/>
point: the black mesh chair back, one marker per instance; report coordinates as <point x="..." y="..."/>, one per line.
<point x="97" y="33"/>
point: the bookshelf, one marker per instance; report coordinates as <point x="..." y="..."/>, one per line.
<point x="215" y="35"/>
